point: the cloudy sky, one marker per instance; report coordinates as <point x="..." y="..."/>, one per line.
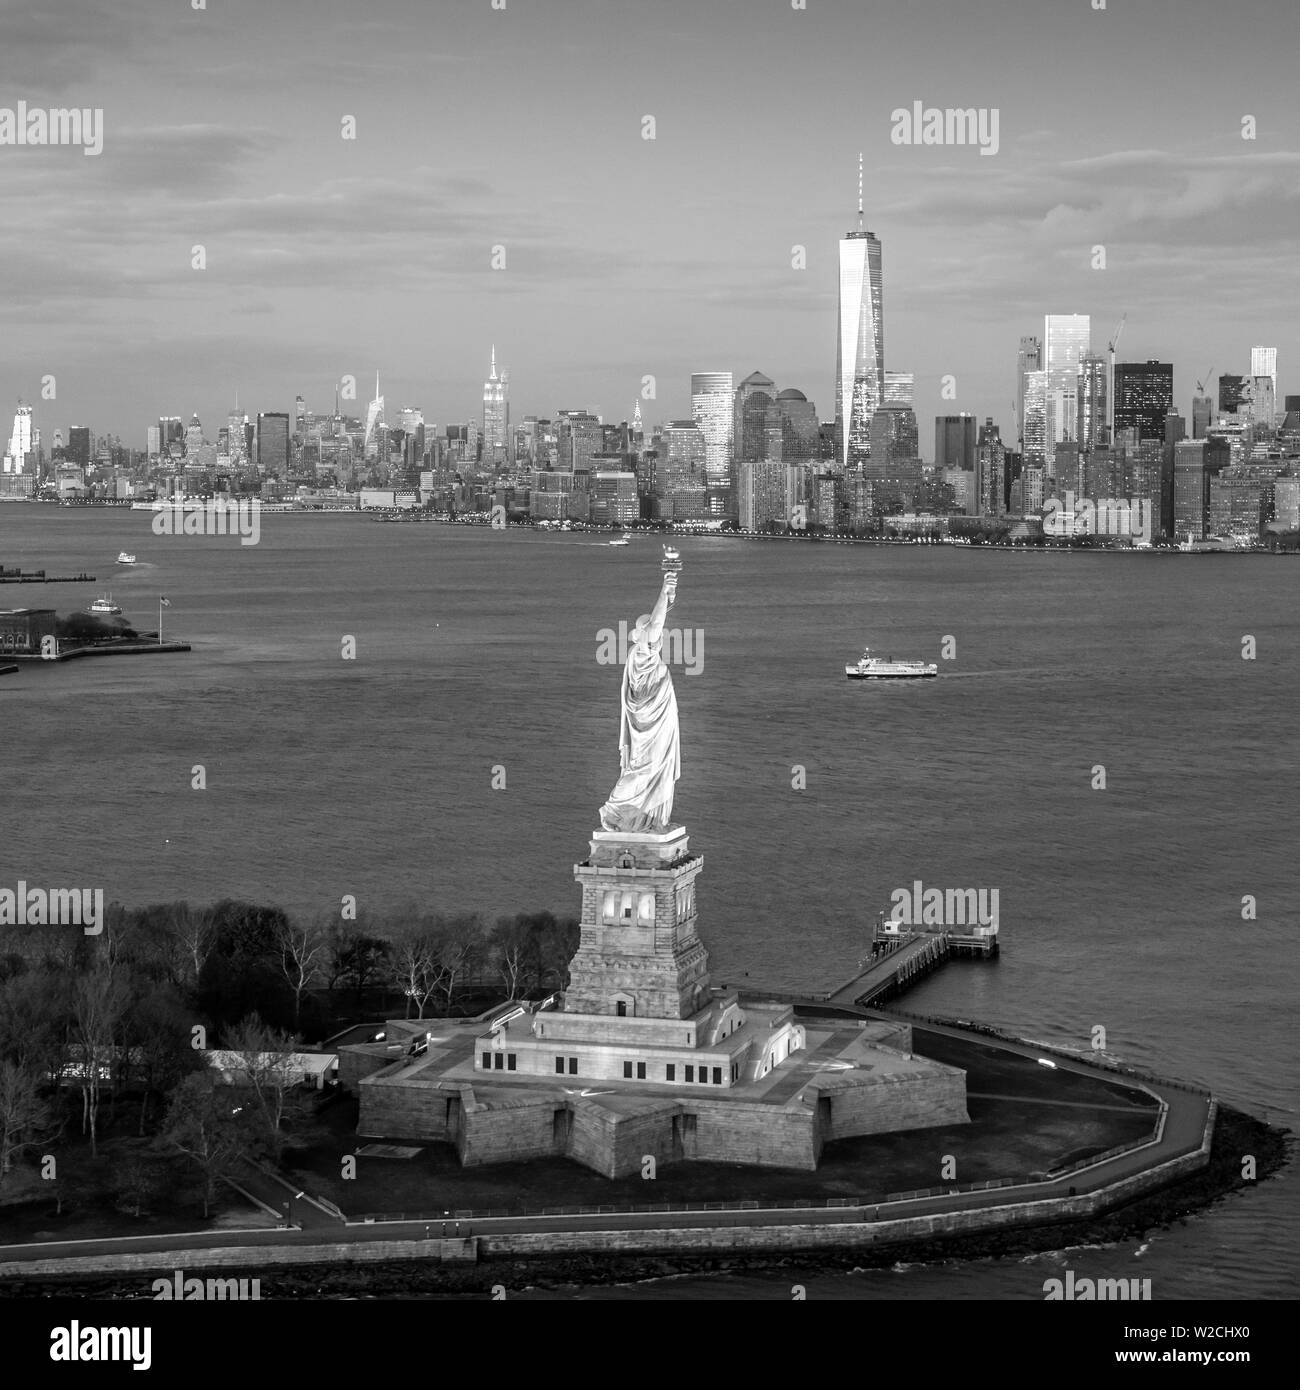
<point x="627" y="257"/>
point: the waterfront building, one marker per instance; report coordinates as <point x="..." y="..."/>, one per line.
<point x="682" y="471"/>
<point x="23" y="629"/>
<point x="713" y="409"/>
<point x="1286" y="501"/>
<point x="990" y="470"/>
<point x="1067" y="340"/>
<point x="859" y="342"/>
<point x="1144" y="395"/>
<point x="769" y="491"/>
<point x="1191" y="491"/>
<point x="1240" y="501"/>
<point x="614" y="498"/>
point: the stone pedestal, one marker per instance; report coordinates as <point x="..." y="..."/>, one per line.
<point x="639" y="955"/>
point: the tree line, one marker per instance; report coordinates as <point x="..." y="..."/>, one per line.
<point x="113" y="1028"/>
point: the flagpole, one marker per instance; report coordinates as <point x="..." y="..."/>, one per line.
<point x="160" y="621"/>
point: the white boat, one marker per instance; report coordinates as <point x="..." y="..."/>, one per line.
<point x="873" y="668"/>
<point x="123" y="558"/>
<point x="622" y="540"/>
<point x="672" y="553"/>
<point x="104" y="604"/>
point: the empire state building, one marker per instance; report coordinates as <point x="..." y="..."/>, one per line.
<point x="859" y="343"/>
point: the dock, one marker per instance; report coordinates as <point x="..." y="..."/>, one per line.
<point x="105" y="649"/>
<point x="898" y="959"/>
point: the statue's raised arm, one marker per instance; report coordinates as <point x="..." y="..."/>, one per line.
<point x="649" y="742"/>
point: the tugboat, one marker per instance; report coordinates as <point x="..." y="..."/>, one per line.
<point x="873" y="668"/>
<point x="123" y="558"/>
<point x="104" y="605"/>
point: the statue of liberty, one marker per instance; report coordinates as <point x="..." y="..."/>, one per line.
<point x="649" y="744"/>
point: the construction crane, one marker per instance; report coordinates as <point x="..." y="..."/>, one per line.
<point x="1110" y="393"/>
<point x="1200" y="388"/>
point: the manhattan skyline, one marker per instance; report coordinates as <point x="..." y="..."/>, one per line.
<point x="628" y="257"/>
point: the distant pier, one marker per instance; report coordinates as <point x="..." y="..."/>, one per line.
<point x="40" y="577"/>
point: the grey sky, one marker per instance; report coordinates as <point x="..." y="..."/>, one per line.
<point x="628" y="257"/>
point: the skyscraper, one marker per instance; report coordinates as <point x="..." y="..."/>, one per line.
<point x="859" y="343"/>
<point x="1263" y="362"/>
<point x="20" y="441"/>
<point x="1232" y="394"/>
<point x="374" y="418"/>
<point x="273" y="444"/>
<point x="713" y="407"/>
<point x="1067" y="339"/>
<point x="1030" y="359"/>
<point x="78" y="449"/>
<point x="235" y="423"/>
<point x="1090" y="430"/>
<point x="954" y="442"/>
<point x="496" y="416"/>
<point x="1144" y="395"/>
<point x="1033" y="420"/>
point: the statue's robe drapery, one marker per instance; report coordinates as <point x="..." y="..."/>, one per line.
<point x="649" y="745"/>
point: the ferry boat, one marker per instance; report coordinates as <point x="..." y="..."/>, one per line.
<point x="873" y="668"/>
<point x="622" y="540"/>
<point x="123" y="558"/>
<point x="104" y="604"/>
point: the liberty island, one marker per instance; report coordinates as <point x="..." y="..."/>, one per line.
<point x="684" y="1069"/>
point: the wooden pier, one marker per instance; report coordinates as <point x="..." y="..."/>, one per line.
<point x="897" y="961"/>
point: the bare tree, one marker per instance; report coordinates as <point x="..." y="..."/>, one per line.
<point x="457" y="942"/>
<point x="98" y="1000"/>
<point x="509" y="945"/>
<point x="413" y="958"/>
<point x="25" y="1115"/>
<point x="303" y="946"/>
<point x="194" y="932"/>
<point x="202" y="1126"/>
<point x="265" y="1065"/>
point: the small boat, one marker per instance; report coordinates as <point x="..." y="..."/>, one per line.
<point x="873" y="668"/>
<point x="123" y="558"/>
<point x="104" y="604"/>
<point x="622" y="540"/>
